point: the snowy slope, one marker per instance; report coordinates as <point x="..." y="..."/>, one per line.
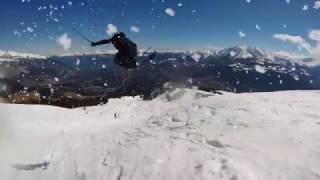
<point x="186" y="134"/>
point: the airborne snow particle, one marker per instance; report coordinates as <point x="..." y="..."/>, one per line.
<point x="248" y="1"/>
<point x="288" y="1"/>
<point x="111" y="29"/>
<point x="305" y="7"/>
<point x="30" y="29"/>
<point x="180" y="5"/>
<point x="56" y="79"/>
<point x="17" y="33"/>
<point x="78" y="62"/>
<point x="65" y="41"/>
<point x="135" y="29"/>
<point x="258" y="27"/>
<point x="242" y="34"/>
<point x="170" y="12"/>
<point x="3" y="88"/>
<point x="56" y="20"/>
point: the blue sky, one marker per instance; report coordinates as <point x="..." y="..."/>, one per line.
<point x="195" y="25"/>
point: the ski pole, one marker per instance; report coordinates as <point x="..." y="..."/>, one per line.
<point x="83" y="36"/>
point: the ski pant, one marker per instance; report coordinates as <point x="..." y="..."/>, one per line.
<point x="125" y="60"/>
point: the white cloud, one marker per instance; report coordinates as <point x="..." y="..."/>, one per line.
<point x="293" y="39"/>
<point x="170" y="12"/>
<point x="135" y="29"/>
<point x="316" y="5"/>
<point x="291" y="55"/>
<point x="64" y="41"/>
<point x="315" y="52"/>
<point x="305" y="7"/>
<point x="313" y="35"/>
<point x="242" y="34"/>
<point x="111" y="29"/>
<point x="258" y="27"/>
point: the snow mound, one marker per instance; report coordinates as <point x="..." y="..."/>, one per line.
<point x="184" y="134"/>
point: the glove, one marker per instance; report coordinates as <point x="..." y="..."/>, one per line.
<point x="93" y="44"/>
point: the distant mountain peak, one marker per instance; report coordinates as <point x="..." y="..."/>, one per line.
<point x="16" y="55"/>
<point x="242" y="52"/>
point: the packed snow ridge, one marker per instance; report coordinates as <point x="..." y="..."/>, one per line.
<point x="184" y="134"/>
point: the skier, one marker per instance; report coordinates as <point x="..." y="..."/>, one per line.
<point x="127" y="50"/>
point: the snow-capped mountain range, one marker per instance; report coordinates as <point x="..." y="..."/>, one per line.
<point x="12" y="55"/>
<point x="235" y="53"/>
<point x="248" y="52"/>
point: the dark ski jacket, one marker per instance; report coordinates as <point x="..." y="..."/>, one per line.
<point x="124" y="45"/>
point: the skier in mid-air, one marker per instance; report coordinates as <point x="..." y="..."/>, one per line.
<point x="127" y="50"/>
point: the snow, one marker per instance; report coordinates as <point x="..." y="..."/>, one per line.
<point x="9" y="55"/>
<point x="111" y="29"/>
<point x="6" y="60"/>
<point x="196" y="57"/>
<point x="170" y="12"/>
<point x="242" y="34"/>
<point x="30" y="29"/>
<point x="185" y="134"/>
<point x="260" y="69"/>
<point x="305" y="7"/>
<point x="258" y="27"/>
<point x="135" y="29"/>
<point x="65" y="41"/>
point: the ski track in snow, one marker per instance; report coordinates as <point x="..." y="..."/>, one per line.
<point x="185" y="134"/>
